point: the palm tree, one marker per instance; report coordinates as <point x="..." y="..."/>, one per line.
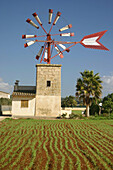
<point x="88" y="88"/>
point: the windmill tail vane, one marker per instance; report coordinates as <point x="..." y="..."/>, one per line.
<point x="45" y="52"/>
<point x="92" y="41"/>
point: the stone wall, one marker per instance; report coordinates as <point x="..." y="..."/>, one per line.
<point x="74" y="108"/>
<point x="48" y="98"/>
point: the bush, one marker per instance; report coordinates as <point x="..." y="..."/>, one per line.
<point x="82" y="117"/>
<point x="64" y="115"/>
<point x="107" y="106"/>
<point x="94" y="108"/>
<point x="73" y="116"/>
<point x="111" y="116"/>
<point x="69" y="102"/>
<point x="76" y="116"/>
<point x="5" y="101"/>
<point x="104" y="116"/>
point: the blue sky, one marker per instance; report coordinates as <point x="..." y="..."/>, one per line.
<point x="86" y="17"/>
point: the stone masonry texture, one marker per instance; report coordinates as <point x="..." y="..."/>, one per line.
<point x="48" y="99"/>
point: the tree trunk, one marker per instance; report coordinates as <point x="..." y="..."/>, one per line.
<point x="87" y="110"/>
<point x="99" y="110"/>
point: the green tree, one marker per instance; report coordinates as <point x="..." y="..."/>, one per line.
<point x="94" y="108"/>
<point x="88" y="88"/>
<point x="107" y="105"/>
<point x="5" y="101"/>
<point x="69" y="102"/>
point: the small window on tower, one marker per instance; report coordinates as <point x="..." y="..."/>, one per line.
<point x="48" y="83"/>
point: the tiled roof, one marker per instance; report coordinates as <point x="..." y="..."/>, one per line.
<point x="27" y="94"/>
<point x="24" y="91"/>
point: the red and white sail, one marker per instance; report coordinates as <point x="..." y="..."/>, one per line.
<point x="64" y="47"/>
<point x="67" y="34"/>
<point x="32" y="23"/>
<point x="28" y="36"/>
<point x="39" y="53"/>
<point x="45" y="57"/>
<point x="66" y="27"/>
<point x="92" y="41"/>
<point x="29" y="43"/>
<point x="57" y="17"/>
<point x="59" y="52"/>
<point x="50" y="15"/>
<point x="37" y="18"/>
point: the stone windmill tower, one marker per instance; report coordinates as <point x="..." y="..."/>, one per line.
<point x="48" y="90"/>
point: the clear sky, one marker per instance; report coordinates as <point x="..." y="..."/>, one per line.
<point x="86" y="17"/>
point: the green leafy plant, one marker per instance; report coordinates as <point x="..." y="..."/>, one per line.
<point x="88" y="88"/>
<point x="69" y="102"/>
<point x="64" y="115"/>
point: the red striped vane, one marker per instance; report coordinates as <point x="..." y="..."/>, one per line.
<point x="92" y="41"/>
<point x="50" y="43"/>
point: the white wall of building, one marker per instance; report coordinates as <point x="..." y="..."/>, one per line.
<point x="4" y="95"/>
<point x="17" y="110"/>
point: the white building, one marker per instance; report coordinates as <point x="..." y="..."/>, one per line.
<point x="44" y="99"/>
<point x="4" y="95"/>
<point x="23" y="103"/>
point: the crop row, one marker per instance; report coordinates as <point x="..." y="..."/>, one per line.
<point x="60" y="144"/>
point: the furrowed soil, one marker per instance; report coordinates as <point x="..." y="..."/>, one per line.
<point x="56" y="144"/>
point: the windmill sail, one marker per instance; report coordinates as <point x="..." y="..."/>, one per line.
<point x="45" y="57"/>
<point x="57" y="17"/>
<point x="66" y="27"/>
<point x="29" y="43"/>
<point x="39" y="53"/>
<point x="59" y="52"/>
<point x="50" y="15"/>
<point x="64" y="48"/>
<point x="67" y="34"/>
<point x="32" y="23"/>
<point x="37" y="18"/>
<point x="28" y="36"/>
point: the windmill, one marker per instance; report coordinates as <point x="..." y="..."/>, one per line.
<point x="48" y="76"/>
<point x="45" y="52"/>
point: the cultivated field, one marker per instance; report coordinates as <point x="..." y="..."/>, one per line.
<point x="56" y="144"/>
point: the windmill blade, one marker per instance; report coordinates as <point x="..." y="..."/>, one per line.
<point x="57" y="17"/>
<point x="67" y="34"/>
<point x="32" y="23"/>
<point x="59" y="52"/>
<point x="28" y="36"/>
<point x="45" y="57"/>
<point x="55" y="20"/>
<point x="50" y="15"/>
<point x="92" y="41"/>
<point x="66" y="27"/>
<point x="29" y="43"/>
<point x="43" y="52"/>
<point x="37" y="18"/>
<point x="39" y="53"/>
<point x="64" y="48"/>
<point x="74" y="43"/>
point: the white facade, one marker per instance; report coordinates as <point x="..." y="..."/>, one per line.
<point x="4" y="95"/>
<point x="17" y="110"/>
